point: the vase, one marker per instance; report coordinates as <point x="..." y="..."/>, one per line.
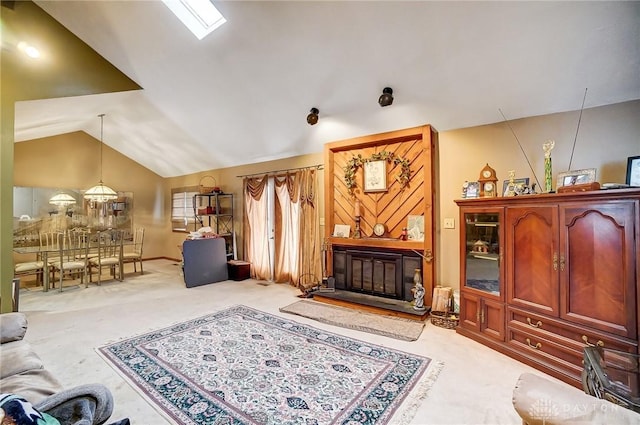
<point x="417" y="277"/>
<point x="547" y="175"/>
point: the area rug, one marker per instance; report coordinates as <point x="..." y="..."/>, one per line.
<point x="394" y="327"/>
<point x="244" y="366"/>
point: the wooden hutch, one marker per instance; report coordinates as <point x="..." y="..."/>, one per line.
<point x="382" y="264"/>
<point x="542" y="276"/>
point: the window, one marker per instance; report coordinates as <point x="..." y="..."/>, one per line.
<point x="200" y="16"/>
<point x="182" y="208"/>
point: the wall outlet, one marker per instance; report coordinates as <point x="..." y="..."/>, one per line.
<point x="449" y="223"/>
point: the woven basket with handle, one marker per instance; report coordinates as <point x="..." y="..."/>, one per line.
<point x="445" y="319"/>
<point x="208" y="189"/>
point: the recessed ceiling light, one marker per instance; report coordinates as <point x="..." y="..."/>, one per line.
<point x="29" y="50"/>
<point x="200" y="16"/>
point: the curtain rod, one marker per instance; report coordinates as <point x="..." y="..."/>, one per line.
<point x="317" y="166"/>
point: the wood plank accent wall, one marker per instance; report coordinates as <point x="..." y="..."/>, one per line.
<point x="393" y="206"/>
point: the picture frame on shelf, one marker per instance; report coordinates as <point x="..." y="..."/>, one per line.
<point x="415" y="227"/>
<point x="633" y="171"/>
<point x="576" y="177"/>
<point x="473" y="190"/>
<point x="341" y="231"/>
<point x="375" y="176"/>
<point x="515" y="188"/>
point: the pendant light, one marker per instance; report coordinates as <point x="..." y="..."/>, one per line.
<point x="62" y="200"/>
<point x="100" y="192"/>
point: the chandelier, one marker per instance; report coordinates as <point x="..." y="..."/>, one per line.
<point x="62" y="200"/>
<point x="100" y="192"/>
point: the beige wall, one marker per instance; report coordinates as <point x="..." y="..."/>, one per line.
<point x="73" y="161"/>
<point x="229" y="182"/>
<point x="73" y="73"/>
<point x="607" y="136"/>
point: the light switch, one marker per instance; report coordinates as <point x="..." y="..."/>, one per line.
<point x="449" y="223"/>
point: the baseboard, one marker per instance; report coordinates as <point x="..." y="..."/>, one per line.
<point x="162" y="258"/>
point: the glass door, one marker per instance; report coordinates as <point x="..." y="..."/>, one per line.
<point x="482" y="241"/>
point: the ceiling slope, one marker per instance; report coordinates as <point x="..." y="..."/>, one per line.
<point x="241" y="95"/>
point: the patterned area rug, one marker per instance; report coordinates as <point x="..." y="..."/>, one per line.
<point x="243" y="366"/>
<point x="394" y="327"/>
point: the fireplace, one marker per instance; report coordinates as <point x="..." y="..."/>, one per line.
<point x="375" y="271"/>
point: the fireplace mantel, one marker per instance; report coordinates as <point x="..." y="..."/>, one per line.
<point x="348" y="202"/>
<point x="389" y="243"/>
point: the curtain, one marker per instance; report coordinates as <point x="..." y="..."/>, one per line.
<point x="287" y="228"/>
<point x="256" y="233"/>
<point x="297" y="232"/>
<point x="310" y="263"/>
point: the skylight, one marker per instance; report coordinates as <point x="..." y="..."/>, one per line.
<point x="200" y="16"/>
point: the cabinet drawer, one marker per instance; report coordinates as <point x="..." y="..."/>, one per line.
<point x="543" y="350"/>
<point x="577" y="336"/>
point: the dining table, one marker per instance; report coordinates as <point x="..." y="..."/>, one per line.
<point x="43" y="253"/>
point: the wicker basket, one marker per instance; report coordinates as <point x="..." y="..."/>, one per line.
<point x="208" y="189"/>
<point x="444" y="319"/>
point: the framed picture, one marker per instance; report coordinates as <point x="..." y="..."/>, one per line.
<point x="415" y="227"/>
<point x="633" y="171"/>
<point x="375" y="176"/>
<point x="341" y="230"/>
<point x="572" y="178"/>
<point x="473" y="190"/>
<point x="516" y="188"/>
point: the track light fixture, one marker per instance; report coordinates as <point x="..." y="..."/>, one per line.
<point x="386" y="98"/>
<point x="312" y="118"/>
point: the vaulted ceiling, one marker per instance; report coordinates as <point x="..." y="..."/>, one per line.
<point x="241" y="95"/>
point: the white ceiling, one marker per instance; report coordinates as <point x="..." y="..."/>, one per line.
<point x="241" y="95"/>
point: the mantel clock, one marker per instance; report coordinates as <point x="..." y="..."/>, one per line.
<point x="488" y="182"/>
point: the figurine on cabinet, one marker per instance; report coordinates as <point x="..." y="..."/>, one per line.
<point x="465" y="185"/>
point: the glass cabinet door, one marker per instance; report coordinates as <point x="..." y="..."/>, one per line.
<point x="482" y="252"/>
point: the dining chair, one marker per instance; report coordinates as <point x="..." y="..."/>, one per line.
<point x="91" y="241"/>
<point x="133" y="253"/>
<point x="31" y="268"/>
<point x="70" y="246"/>
<point x="109" y="255"/>
<point x="50" y="250"/>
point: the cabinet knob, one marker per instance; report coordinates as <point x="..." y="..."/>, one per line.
<point x="599" y="343"/>
<point x="535" y="347"/>
<point x="562" y="263"/>
<point x="534" y="325"/>
<point x="555" y="261"/>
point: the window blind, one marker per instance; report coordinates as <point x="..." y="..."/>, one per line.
<point x="182" y="214"/>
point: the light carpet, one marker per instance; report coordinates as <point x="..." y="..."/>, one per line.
<point x="243" y="366"/>
<point x="394" y="327"/>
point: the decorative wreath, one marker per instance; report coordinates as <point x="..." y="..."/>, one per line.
<point x="357" y="161"/>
